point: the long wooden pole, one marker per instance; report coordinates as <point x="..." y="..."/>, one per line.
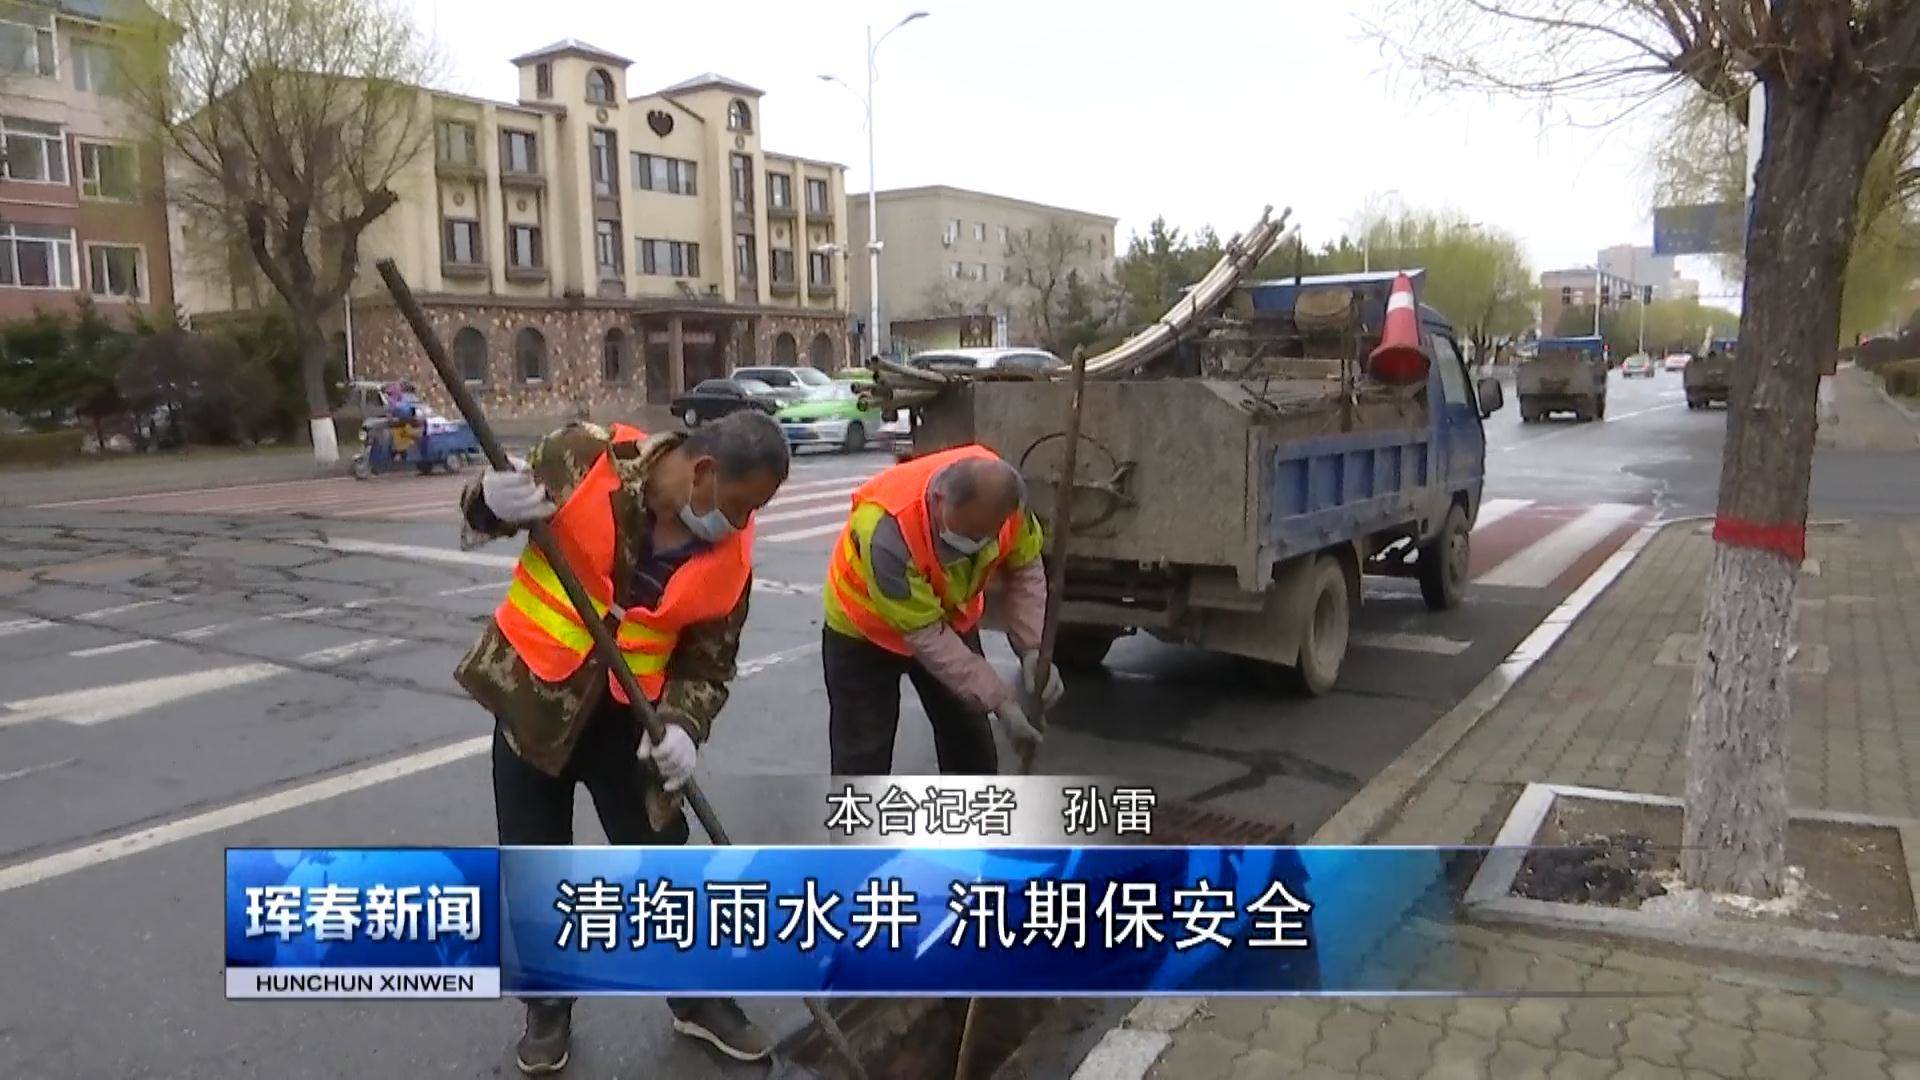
<point x="541" y="534"/>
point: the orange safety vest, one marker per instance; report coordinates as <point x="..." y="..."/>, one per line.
<point x="902" y="492"/>
<point x="549" y="634"/>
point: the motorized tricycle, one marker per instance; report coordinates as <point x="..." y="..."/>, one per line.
<point x="411" y="434"/>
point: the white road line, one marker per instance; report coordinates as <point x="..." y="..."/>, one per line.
<point x="414" y="552"/>
<point x="1641" y="412"/>
<point x="761" y="663"/>
<point x="1492" y="510"/>
<point x="802" y="534"/>
<point x="341" y="653"/>
<point x="834" y="509"/>
<point x="1421" y="643"/>
<point x="62" y="863"/>
<point x="31" y="769"/>
<point x="99" y="704"/>
<point x="109" y="650"/>
<point x="201" y="632"/>
<point x="464" y="589"/>
<point x="813" y="496"/>
<point x="1537" y="564"/>
<point x="303" y="613"/>
<point x="845" y="482"/>
<point x="21" y="626"/>
<point x="121" y="609"/>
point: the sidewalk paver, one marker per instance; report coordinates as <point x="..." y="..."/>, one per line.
<point x="1604" y="710"/>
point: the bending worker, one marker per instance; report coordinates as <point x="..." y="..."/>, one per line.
<point x="904" y="597"/>
<point x="659" y="529"/>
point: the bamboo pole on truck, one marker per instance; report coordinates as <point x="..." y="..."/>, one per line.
<point x="541" y="533"/>
<point x="1058" y="536"/>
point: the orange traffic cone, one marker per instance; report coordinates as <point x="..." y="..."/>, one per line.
<point x="1401" y="359"/>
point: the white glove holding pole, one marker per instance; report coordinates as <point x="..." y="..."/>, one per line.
<point x="516" y="498"/>
<point x="675" y="757"/>
<point x="1050" y="690"/>
<point x="1013" y="720"/>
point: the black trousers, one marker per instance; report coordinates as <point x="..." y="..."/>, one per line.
<point x="863" y="696"/>
<point x="531" y="807"/>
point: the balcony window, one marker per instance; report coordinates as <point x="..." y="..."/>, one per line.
<point x="96" y="67"/>
<point x="950" y="233"/>
<point x="109" y="171"/>
<point x="667" y="258"/>
<point x="606" y="248"/>
<point x="744" y="267"/>
<point x="36" y="257"/>
<point x="543" y="81"/>
<point x="460" y="242"/>
<point x="519" y="152"/>
<point x="470" y="355"/>
<point x="817" y="197"/>
<point x="456" y="144"/>
<point x="26" y="48"/>
<point x="1000" y="235"/>
<point x="980" y="232"/>
<point x="35" y="152"/>
<point x="613" y="356"/>
<point x="523" y="247"/>
<point x="819" y="268"/>
<point x="599" y="87"/>
<point x="782" y="266"/>
<point x="530" y="355"/>
<point x="603" y="162"/>
<point x="779" y="191"/>
<point x="742" y="184"/>
<point x="117" y="271"/>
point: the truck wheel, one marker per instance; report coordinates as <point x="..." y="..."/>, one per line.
<point x="1444" y="561"/>
<point x="1083" y="650"/>
<point x="1323" y="640"/>
<point x="1601" y="413"/>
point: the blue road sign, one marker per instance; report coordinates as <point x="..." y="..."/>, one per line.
<point x="1702" y="229"/>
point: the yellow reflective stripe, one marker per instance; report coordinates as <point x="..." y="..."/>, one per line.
<point x="536" y="566"/>
<point x="1028" y="541"/>
<point x="560" y="626"/>
<point x="646" y="663"/>
<point x="638" y="635"/>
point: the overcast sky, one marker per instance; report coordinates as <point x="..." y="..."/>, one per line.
<point x="1202" y="110"/>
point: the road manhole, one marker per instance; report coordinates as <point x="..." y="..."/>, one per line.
<point x="1186" y="823"/>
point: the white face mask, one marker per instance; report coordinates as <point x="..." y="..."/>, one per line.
<point x="711" y="526"/>
<point x="965" y="545"/>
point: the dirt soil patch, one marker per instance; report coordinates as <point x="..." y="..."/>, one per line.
<point x="1844" y="878"/>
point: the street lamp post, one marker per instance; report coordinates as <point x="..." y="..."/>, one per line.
<point x="846" y="261"/>
<point x="873" y="207"/>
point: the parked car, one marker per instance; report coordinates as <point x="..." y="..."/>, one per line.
<point x="1638" y="366"/>
<point x="715" y="398"/>
<point x="1027" y="360"/>
<point x="799" y="382"/>
<point x="1677" y="361"/>
<point x="834" y="419"/>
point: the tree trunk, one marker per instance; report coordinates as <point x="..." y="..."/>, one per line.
<point x="1805" y="194"/>
<point x="313" y="379"/>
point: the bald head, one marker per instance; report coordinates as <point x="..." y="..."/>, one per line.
<point x="977" y="495"/>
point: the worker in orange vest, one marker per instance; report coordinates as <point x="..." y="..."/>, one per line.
<point x="904" y="596"/>
<point x="660" y="531"/>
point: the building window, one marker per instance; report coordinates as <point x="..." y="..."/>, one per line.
<point x="117" y="271"/>
<point x="36" y="257"/>
<point x="604" y="162"/>
<point x="96" y="68"/>
<point x="530" y="355"/>
<point x="742" y="184"/>
<point x="1006" y="273"/>
<point x="779" y="191"/>
<point x="109" y="171"/>
<point x="782" y="266"/>
<point x="599" y="87"/>
<point x="470" y="355"/>
<point x="817" y="197"/>
<point x="606" y="247"/>
<point x="950" y="233"/>
<point x="958" y="271"/>
<point x="980" y="272"/>
<point x="35" y="152"/>
<point x="543" y="80"/>
<point x="652" y="172"/>
<point x="519" y="152"/>
<point x="739" y="117"/>
<point x="743" y="261"/>
<point x="1566" y="295"/>
<point x="819" y="268"/>
<point x="523" y="247"/>
<point x="979" y="232"/>
<point x="455" y="143"/>
<point x="26" y="48"/>
<point x="613" y="356"/>
<point x="460" y="241"/>
<point x="1000" y="235"/>
<point x="667" y="258"/>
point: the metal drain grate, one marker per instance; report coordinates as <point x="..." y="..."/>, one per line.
<point x="1186" y="823"/>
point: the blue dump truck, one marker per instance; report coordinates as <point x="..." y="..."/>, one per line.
<point x="1232" y="486"/>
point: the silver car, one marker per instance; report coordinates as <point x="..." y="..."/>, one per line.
<point x="1023" y="360"/>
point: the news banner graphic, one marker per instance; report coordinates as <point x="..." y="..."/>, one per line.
<point x="834" y="920"/>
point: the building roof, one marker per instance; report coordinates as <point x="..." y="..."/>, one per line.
<point x="710" y="79"/>
<point x="574" y="47"/>
<point x="949" y="191"/>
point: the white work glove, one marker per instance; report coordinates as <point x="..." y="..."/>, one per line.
<point x="1051" y="690"/>
<point x="516" y="497"/>
<point x="1013" y="720"/>
<point x="674" y="757"/>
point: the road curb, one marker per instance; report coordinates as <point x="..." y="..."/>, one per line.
<point x="1363" y="816"/>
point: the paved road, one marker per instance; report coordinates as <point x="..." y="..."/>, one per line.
<point x="270" y="664"/>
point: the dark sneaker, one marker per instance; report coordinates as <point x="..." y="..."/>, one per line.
<point x="543" y="1048"/>
<point x="720" y="1022"/>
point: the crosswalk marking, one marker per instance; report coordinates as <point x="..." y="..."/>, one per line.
<point x="1540" y="562"/>
<point x="1492" y="510"/>
<point x="803" y="534"/>
<point x="121" y="609"/>
<point x="1406" y="642"/>
<point x="109" y="650"/>
<point x="21" y="626"/>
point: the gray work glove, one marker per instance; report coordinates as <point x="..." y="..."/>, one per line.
<point x="515" y="498"/>
<point x="1050" y="690"/>
<point x="675" y="757"/>
<point x="1013" y="720"/>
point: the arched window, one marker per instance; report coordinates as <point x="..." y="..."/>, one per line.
<point x="613" y="355"/>
<point x="599" y="87"/>
<point x="470" y="354"/>
<point x="785" y="349"/>
<point x="820" y="353"/>
<point x="530" y="355"/>
<point x="739" y="117"/>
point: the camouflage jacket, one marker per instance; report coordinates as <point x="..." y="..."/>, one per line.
<point x="542" y="720"/>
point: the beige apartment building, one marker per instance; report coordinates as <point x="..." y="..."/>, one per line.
<point x="950" y="252"/>
<point x="583" y="250"/>
<point x="83" y="212"/>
